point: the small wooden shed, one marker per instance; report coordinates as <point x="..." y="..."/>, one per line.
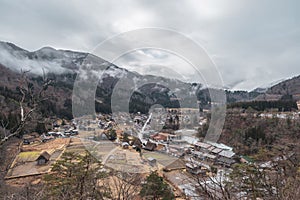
<point x="43" y="158"/>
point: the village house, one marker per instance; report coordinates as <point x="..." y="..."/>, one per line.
<point x="220" y="145"/>
<point x="30" y="138"/>
<point x="150" y="146"/>
<point x="152" y="161"/>
<point x="226" y="158"/>
<point x="176" y="151"/>
<point x="27" y="139"/>
<point x="246" y="159"/>
<point x="227" y="154"/>
<point x="204" y="156"/>
<point x="43" y="158"/>
<point x="177" y="164"/>
<point x="216" y="151"/>
<point x="201" y="146"/>
<point x="194" y="169"/>
<point x="162" y="137"/>
<point x="227" y="162"/>
<point x="125" y="145"/>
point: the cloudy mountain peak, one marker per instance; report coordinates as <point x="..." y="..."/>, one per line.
<point x="47" y="58"/>
<point x="47" y="49"/>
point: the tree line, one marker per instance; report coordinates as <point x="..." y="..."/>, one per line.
<point x="281" y="105"/>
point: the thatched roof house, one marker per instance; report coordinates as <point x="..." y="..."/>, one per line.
<point x="43" y="158"/>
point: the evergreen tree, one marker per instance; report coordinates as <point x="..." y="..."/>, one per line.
<point x="76" y="176"/>
<point x="155" y="188"/>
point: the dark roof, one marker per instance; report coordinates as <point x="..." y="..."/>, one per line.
<point x="150" y="146"/>
<point x="217" y="150"/>
<point x="176" y="164"/>
<point x="202" y="145"/>
<point x="150" y="159"/>
<point x="228" y="161"/>
<point x="45" y="155"/>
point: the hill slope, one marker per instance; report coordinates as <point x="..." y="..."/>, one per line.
<point x="63" y="66"/>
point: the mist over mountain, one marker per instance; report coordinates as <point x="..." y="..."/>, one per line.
<point x="128" y="89"/>
<point x="63" y="66"/>
<point x="47" y="58"/>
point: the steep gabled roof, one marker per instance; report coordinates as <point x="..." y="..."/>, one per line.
<point x="45" y="155"/>
<point x="150" y="146"/>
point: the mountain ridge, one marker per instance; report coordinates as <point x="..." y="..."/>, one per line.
<point x="61" y="62"/>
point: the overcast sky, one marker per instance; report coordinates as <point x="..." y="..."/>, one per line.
<point x="253" y="43"/>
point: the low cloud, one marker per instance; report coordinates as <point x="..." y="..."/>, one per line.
<point x="252" y="43"/>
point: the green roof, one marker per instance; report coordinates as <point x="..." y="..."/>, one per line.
<point x="247" y="158"/>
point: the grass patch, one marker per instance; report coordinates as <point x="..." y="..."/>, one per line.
<point x="28" y="156"/>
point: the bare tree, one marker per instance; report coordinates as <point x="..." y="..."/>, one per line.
<point x="212" y="187"/>
<point x="125" y="185"/>
<point x="3" y="129"/>
<point x="28" y="103"/>
<point x="28" y="192"/>
<point x="277" y="179"/>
